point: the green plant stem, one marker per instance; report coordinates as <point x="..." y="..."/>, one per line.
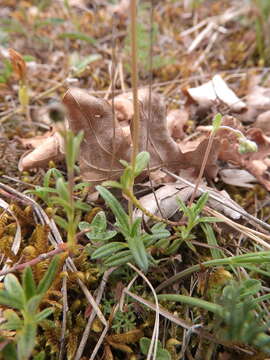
<point x="132" y="198"/>
<point x="192" y="301"/>
<point x="241" y="260"/>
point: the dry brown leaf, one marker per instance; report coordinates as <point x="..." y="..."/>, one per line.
<point x="121" y="10"/>
<point x="263" y="122"/>
<point x="35" y="141"/>
<point x="194" y="153"/>
<point x="102" y="147"/>
<point x="106" y="142"/>
<point x="256" y="163"/>
<point x="216" y="91"/>
<point x="123" y="107"/>
<point x="258" y="101"/>
<point x="49" y="149"/>
<point x="167" y="201"/>
<point x="18" y="63"/>
<point x="164" y="200"/>
<point x="176" y="121"/>
<point x="237" y="177"/>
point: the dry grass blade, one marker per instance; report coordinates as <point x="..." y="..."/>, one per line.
<point x="93" y="314"/>
<point x="241" y="228"/>
<point x="185" y="324"/>
<point x="154" y="340"/>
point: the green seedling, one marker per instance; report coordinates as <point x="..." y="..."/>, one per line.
<point x="193" y="218"/>
<point x="162" y="354"/>
<point x="25" y="299"/>
<point x="237" y="313"/>
<point x="62" y="194"/>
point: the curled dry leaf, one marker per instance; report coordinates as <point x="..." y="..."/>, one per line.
<point x="176" y="121"/>
<point x="237" y="177"/>
<point x="106" y="142"/>
<point x="257" y="163"/>
<point x="216" y="91"/>
<point x="263" y="122"/>
<point x="50" y="148"/>
<point x="258" y="101"/>
<point x="18" y="63"/>
<point x="120" y="9"/>
<point x="123" y="107"/>
<point x="35" y="141"/>
<point x="164" y="200"/>
<point x="167" y="199"/>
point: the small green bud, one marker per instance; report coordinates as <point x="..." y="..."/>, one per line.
<point x="246" y="146"/>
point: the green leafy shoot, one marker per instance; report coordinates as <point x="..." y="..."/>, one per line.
<point x="162" y="354"/>
<point x="25" y="298"/>
<point x="193" y="218"/>
<point x="234" y="313"/>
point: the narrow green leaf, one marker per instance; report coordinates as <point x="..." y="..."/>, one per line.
<point x="120" y="258"/>
<point x="116" y="207"/>
<point x="13" y="321"/>
<point x="212" y="241"/>
<point x="108" y="249"/>
<point x="77" y="36"/>
<point x="142" y="159"/>
<point x="29" y="285"/>
<point x="201" y="203"/>
<point x="11" y="301"/>
<point x="47" y="279"/>
<point x="192" y="301"/>
<point x="51" y="173"/>
<point x="136" y="227"/>
<point x="26" y="341"/>
<point x="61" y="222"/>
<point x="139" y="253"/>
<point x="33" y="304"/>
<point x="81" y="66"/>
<point x="250" y="287"/>
<point x="181" y="205"/>
<point x="59" y="201"/>
<point x="44" y="314"/>
<point x="113" y="184"/>
<point x="217" y="122"/>
<point x="62" y="189"/>
<point x="80" y="205"/>
<point x="13" y="287"/>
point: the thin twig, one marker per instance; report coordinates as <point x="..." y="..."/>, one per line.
<point x="220" y="200"/>
<point x="154" y="340"/>
<point x="64" y="316"/>
<point x="205" y="158"/>
<point x="61" y="248"/>
<point x="93" y="314"/>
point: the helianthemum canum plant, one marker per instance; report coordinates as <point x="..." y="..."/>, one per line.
<point x="24" y="316"/>
<point x="63" y="193"/>
<point x="136" y="242"/>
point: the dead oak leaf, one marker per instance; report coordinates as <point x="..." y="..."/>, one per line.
<point x="46" y="149"/>
<point x="106" y="142"/>
<point x="216" y="91"/>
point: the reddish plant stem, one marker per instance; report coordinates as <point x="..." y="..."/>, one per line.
<point x="61" y="248"/>
<point x="207" y="152"/>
